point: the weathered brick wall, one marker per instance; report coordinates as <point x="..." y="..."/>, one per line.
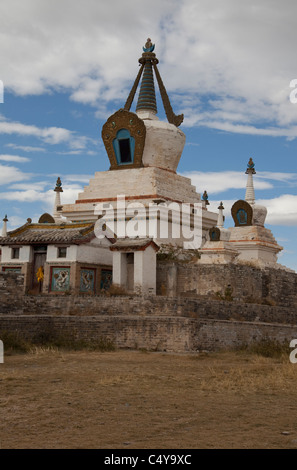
<point x="248" y="283"/>
<point x="155" y="306"/>
<point x="11" y="292"/>
<point x="156" y="333"/>
<point x="156" y="322"/>
<point x="13" y="301"/>
<point x="213" y="335"/>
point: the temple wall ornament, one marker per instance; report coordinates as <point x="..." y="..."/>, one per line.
<point x="58" y="187"/>
<point x="46" y="219"/>
<point x="242" y="213"/>
<point x="214" y="234"/>
<point x="87" y="280"/>
<point x="123" y="135"/>
<point x="60" y="279"/>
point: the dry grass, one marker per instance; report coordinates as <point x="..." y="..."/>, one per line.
<point x="132" y="399"/>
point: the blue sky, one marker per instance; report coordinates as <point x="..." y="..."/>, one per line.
<point x="67" y="66"/>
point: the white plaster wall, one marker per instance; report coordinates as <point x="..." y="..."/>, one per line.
<point x="25" y="255"/>
<point x="90" y="253"/>
<point x="86" y="253"/>
<point x="258" y="253"/>
<point x="145" y="270"/>
<point x="52" y="254"/>
<point x="138" y="182"/>
<point x="119" y="269"/>
<point x="164" y="144"/>
<point x="254" y="243"/>
<point x="6" y="254"/>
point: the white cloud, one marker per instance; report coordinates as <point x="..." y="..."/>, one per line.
<point x="49" y="135"/>
<point x="288" y="178"/>
<point x="52" y="135"/>
<point x="15" y="221"/>
<point x="227" y="51"/>
<point x="47" y="198"/>
<point x="282" y="210"/>
<point x="14" y="158"/>
<point x="29" y="195"/>
<point x="36" y="185"/>
<point x="11" y="174"/>
<point x="216" y="182"/>
<point x="26" y="148"/>
<point x="77" y="178"/>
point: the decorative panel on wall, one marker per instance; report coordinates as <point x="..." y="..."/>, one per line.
<point x="60" y="281"/>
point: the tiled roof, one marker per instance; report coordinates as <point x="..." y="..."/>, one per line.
<point x="133" y="244"/>
<point x="75" y="233"/>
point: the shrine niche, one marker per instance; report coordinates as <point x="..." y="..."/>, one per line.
<point x="242" y="213"/>
<point x="214" y="234"/>
<point x="123" y="135"/>
<point x="46" y="219"/>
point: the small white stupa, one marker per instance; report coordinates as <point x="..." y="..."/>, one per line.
<point x="253" y="241"/>
<point x="57" y="204"/>
<point x="217" y="249"/>
<point x="4" y="227"/>
<point x="249" y="241"/>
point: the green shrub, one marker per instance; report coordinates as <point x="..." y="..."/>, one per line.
<point x="14" y="341"/>
<point x="268" y="348"/>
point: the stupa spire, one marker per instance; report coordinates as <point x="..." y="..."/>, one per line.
<point x="147" y="96"/>
<point x="220" y="223"/>
<point x="250" y="192"/>
<point x="58" y="190"/>
<point x="4" y="228"/>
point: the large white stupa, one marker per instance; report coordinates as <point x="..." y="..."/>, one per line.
<point x="144" y="153"/>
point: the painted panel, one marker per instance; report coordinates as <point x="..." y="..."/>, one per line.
<point x="106" y="279"/>
<point x="60" y="281"/>
<point x="12" y="268"/>
<point x="87" y="280"/>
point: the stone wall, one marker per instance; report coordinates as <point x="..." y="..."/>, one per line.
<point x="154" y="322"/>
<point x="11" y="292"/>
<point x="247" y="283"/>
<point x="177" y="334"/>
<point x="13" y="301"/>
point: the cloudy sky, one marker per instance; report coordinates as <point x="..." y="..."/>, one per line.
<point x="67" y="65"/>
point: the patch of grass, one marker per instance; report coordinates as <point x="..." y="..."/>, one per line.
<point x="69" y="342"/>
<point x="260" y="301"/>
<point x="227" y="294"/>
<point x="49" y="339"/>
<point x="178" y="254"/>
<point x="14" y="342"/>
<point x="114" y="290"/>
<point x="267" y="348"/>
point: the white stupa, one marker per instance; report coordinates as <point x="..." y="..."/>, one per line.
<point x="254" y="242"/>
<point x="144" y="153"/>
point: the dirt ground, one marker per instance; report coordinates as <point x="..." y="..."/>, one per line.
<point x="147" y="400"/>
